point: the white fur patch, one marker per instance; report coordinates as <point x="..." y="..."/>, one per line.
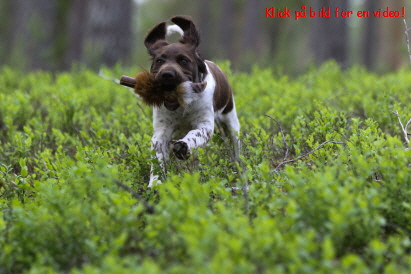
<point x="174" y="28"/>
<point x="189" y="95"/>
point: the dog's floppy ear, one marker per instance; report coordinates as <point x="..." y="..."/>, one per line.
<point x="156" y="38"/>
<point x="191" y="35"/>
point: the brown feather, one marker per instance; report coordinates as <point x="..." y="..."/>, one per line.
<point x="152" y="94"/>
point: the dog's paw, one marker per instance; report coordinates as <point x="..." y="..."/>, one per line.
<point x="180" y="150"/>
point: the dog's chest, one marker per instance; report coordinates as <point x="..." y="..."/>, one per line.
<point x="183" y="120"/>
<point x="190" y="115"/>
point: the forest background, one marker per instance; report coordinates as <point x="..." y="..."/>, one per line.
<point x="54" y="34"/>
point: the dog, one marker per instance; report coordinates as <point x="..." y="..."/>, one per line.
<point x="182" y="125"/>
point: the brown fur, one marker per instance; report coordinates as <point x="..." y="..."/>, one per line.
<point x="223" y="95"/>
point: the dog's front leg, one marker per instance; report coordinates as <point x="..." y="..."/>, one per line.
<point x="159" y="143"/>
<point x="162" y="157"/>
<point x="195" y="138"/>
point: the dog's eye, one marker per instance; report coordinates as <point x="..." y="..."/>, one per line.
<point x="160" y="61"/>
<point x="184" y="61"/>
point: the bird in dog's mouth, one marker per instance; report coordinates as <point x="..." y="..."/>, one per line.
<point x="171" y="94"/>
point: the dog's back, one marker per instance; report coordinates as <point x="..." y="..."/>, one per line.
<point x="223" y="94"/>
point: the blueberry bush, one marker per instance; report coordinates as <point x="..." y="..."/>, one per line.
<point x="323" y="184"/>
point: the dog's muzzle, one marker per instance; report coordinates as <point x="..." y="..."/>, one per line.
<point x="169" y="80"/>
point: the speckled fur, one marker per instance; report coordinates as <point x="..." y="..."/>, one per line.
<point x="183" y="129"/>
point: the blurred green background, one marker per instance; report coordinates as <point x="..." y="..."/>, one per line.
<point x="54" y="34"/>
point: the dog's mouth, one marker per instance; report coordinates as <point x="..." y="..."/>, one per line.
<point x="170" y="87"/>
<point x="171" y="105"/>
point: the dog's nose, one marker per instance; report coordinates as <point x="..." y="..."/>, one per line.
<point x="167" y="75"/>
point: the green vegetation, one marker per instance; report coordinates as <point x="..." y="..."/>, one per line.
<point x="75" y="159"/>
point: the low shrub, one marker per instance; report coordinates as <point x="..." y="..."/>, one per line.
<point x="323" y="184"/>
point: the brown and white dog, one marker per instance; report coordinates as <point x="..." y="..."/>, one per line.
<point x="182" y="128"/>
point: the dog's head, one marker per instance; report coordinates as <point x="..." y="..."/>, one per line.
<point x="176" y="62"/>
